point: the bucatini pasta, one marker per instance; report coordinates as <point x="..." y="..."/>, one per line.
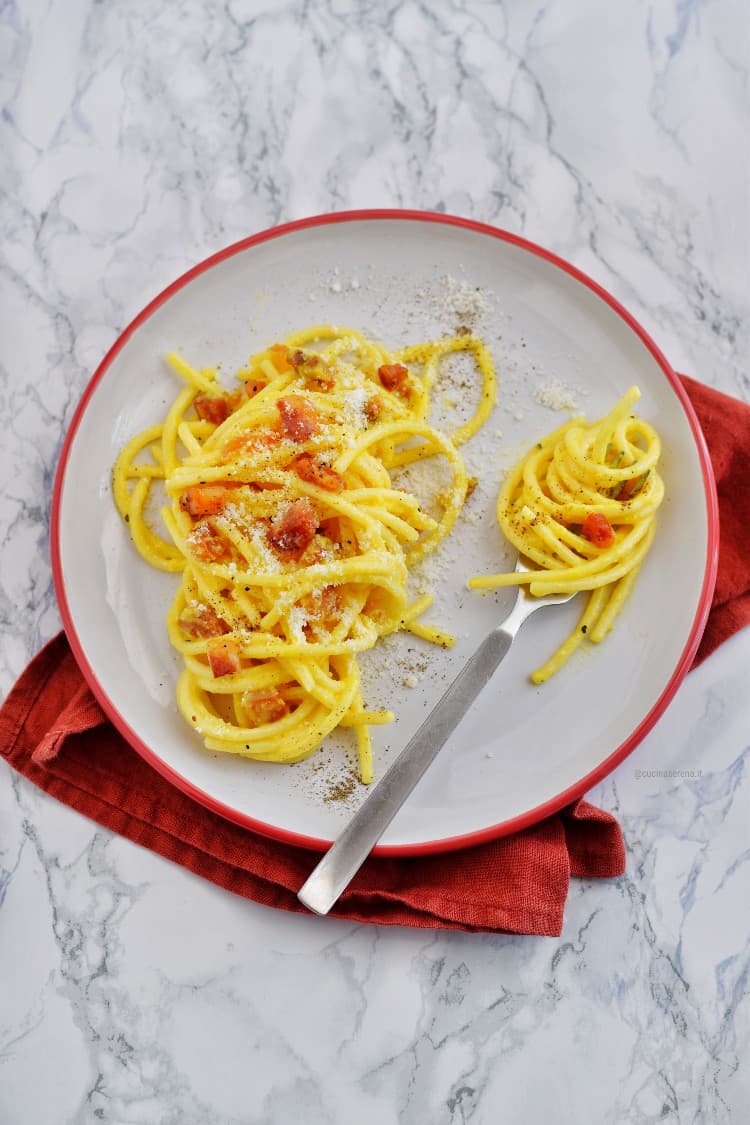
<point x="582" y="505"/>
<point x="292" y="540"/>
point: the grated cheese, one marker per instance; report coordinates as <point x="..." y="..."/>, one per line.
<point x="268" y="558"/>
<point x="355" y="404"/>
<point x="297" y="619"/>
<point x="555" y="395"/>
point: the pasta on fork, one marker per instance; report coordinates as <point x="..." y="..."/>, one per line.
<point x="582" y="506"/>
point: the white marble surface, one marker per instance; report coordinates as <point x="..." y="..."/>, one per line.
<point x="136" y="139"/>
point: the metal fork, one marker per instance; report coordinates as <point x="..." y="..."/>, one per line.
<point x="349" y="851"/>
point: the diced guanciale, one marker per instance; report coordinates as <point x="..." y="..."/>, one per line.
<point x="298" y="359"/>
<point x="308" y="364"/>
<point x="223" y="656"/>
<point x="393" y="376"/>
<point x="264" y="706"/>
<point x="319" y="379"/>
<point x="249" y="442"/>
<point x="215" y="408"/>
<point x="330" y="601"/>
<point x="205" y="544"/>
<point x="373" y="408"/>
<point x="312" y="470"/>
<point x="202" y="621"/>
<point x="264" y="486"/>
<point x="322" y="606"/>
<point x="279" y="355"/>
<point x="299" y="418"/>
<point x="254" y="387"/>
<point x="598" y="530"/>
<point x="294" y="530"/>
<point x="207" y="499"/>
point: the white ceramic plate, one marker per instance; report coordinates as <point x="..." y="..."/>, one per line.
<point x="523" y="751"/>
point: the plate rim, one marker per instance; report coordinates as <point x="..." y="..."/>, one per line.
<point x="530" y="816"/>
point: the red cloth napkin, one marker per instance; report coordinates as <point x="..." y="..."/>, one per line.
<point x="53" y="731"/>
<point x="726" y="425"/>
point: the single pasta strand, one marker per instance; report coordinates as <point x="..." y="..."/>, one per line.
<point x="431" y="633"/>
<point x="620" y="592"/>
<point x="161" y="553"/>
<point x="197" y="379"/>
<point x="185" y="434"/>
<point x="593" y="609"/>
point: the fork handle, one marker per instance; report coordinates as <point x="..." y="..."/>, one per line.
<point x="349" y="851"/>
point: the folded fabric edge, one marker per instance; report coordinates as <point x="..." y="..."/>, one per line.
<point x="444" y="910"/>
<point x="355" y="906"/>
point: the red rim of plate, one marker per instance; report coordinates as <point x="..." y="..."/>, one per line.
<point x="531" y="816"/>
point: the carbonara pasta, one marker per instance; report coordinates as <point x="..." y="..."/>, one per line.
<point x="292" y="539"/>
<point x="581" y="505"/>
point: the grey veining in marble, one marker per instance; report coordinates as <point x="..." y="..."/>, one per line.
<point x="137" y="138"/>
